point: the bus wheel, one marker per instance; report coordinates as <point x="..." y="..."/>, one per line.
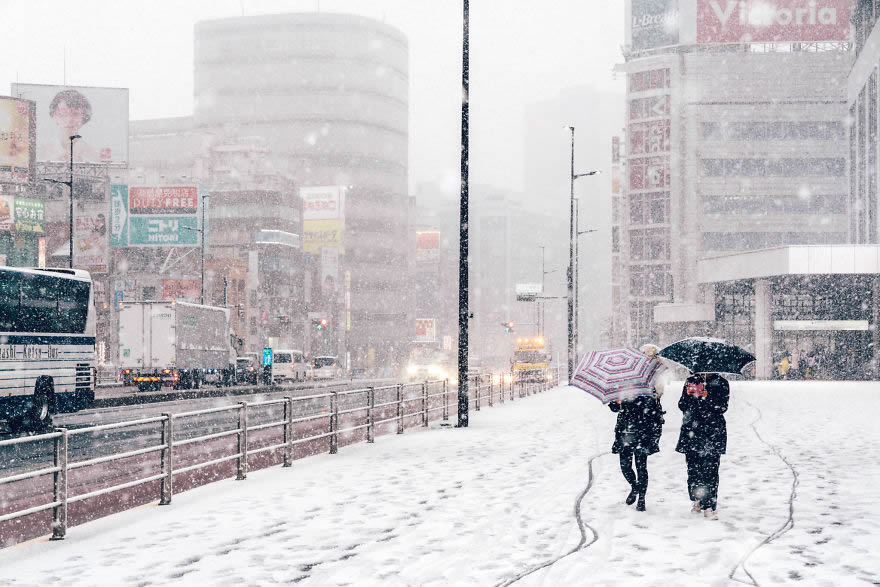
<point x="39" y="417"/>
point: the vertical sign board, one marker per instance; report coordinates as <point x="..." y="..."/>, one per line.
<point x="160" y="216"/>
<point x="426" y="330"/>
<point x="427" y="246"/>
<point x="267" y="357"/>
<point x="17" y="140"/>
<point x="7" y="213"/>
<point x="91" y="249"/>
<point x="323" y="218"/>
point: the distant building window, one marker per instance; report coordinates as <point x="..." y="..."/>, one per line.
<point x="818" y="167"/>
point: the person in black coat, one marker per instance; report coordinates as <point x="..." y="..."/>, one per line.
<point x="637" y="435"/>
<point x="703" y="437"/>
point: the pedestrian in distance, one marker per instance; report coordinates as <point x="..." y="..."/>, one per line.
<point x="637" y="435"/>
<point x="703" y="438"/>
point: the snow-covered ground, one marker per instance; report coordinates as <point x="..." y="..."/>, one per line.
<point x="484" y="505"/>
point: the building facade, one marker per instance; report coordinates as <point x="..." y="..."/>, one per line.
<point x="731" y="145"/>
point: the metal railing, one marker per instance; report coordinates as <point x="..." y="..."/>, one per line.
<point x="346" y="412"/>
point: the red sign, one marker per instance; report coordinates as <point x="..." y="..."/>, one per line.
<point x="426" y="330"/>
<point x="649" y="174"/>
<point x="649" y="137"/>
<point x="163" y="200"/>
<point x="428" y="240"/>
<point x="761" y="21"/>
<point x="172" y="289"/>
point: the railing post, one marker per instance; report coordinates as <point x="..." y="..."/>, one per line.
<point x="477" y="387"/>
<point x="288" y="431"/>
<point x="491" y="388"/>
<point x="425" y="404"/>
<point x="445" y="399"/>
<point x="167" y="459"/>
<point x="59" y="491"/>
<point x="334" y="422"/>
<point x="512" y="388"/>
<point x="371" y="415"/>
<point x="242" y="441"/>
<point x="501" y="394"/>
<point x="400" y="408"/>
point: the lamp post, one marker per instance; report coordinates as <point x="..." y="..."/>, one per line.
<point x="69" y="184"/>
<point x="571" y="243"/>
<point x="463" y="312"/>
<point x="541" y="301"/>
<point x="202" y="233"/>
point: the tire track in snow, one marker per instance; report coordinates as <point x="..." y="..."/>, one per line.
<point x="582" y="526"/>
<point x="786" y="526"/>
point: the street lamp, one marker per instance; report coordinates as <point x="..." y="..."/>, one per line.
<point x="463" y="311"/>
<point x="201" y="232"/>
<point x="571" y="243"/>
<point x="69" y="184"/>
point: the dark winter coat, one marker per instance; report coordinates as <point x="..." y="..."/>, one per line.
<point x="703" y="427"/>
<point x="644" y="417"/>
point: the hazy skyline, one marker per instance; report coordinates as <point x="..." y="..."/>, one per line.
<point x="521" y="52"/>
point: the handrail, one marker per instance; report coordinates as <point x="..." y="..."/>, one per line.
<point x="388" y="412"/>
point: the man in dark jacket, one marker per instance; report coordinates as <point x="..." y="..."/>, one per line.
<point x="637" y="435"/>
<point x="703" y="437"/>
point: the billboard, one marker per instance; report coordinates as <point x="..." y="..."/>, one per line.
<point x="99" y="115"/>
<point x="427" y="246"/>
<point x="760" y="21"/>
<point x="323" y="218"/>
<point x="156" y="216"/>
<point x="181" y="289"/>
<point x="426" y="330"/>
<point x="654" y="24"/>
<point x="30" y="215"/>
<point x="7" y="213"/>
<point x="91" y="240"/>
<point x="17" y="140"/>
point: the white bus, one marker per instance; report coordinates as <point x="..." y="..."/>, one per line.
<point x="47" y="344"/>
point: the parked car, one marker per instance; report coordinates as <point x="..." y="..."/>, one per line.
<point x="247" y="369"/>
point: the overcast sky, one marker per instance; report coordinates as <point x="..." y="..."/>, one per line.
<point x="521" y="51"/>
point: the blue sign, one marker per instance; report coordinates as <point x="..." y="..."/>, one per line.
<point x="267" y="357"/>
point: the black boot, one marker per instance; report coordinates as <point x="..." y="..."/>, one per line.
<point x="631" y="498"/>
<point x="640" y="507"/>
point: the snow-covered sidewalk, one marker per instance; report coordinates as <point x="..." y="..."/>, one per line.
<point x="484" y="505"/>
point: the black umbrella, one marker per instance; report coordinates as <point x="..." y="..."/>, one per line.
<point x="707" y="355"/>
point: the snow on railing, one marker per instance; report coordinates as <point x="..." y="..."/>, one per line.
<point x="404" y="406"/>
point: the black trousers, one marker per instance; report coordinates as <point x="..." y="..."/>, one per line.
<point x="640" y="483"/>
<point x="703" y="478"/>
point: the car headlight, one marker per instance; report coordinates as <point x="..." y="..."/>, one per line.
<point x="412" y="370"/>
<point x="436" y="371"/>
<point x="496" y="379"/>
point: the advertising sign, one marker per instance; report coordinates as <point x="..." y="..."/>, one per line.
<point x="91" y="241"/>
<point x="322" y="203"/>
<point x="187" y="289"/>
<point x="30" y="215"/>
<point x="98" y="115"/>
<point x="7" y="213"/>
<point x="427" y="246"/>
<point x="426" y="330"/>
<point x="649" y="137"/>
<point x="17" y="140"/>
<point x="323" y="218"/>
<point x="654" y="24"/>
<point x="154" y="216"/>
<point x="329" y="272"/>
<point x="760" y="21"/>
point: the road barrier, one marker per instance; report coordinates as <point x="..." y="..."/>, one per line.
<point x="347" y="413"/>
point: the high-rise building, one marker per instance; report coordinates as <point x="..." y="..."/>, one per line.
<point x="327" y="95"/>
<point x="735" y="141"/>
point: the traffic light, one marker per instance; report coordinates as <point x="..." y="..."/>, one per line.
<point x="508" y="326"/>
<point x="320" y="324"/>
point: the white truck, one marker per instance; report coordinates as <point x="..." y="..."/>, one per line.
<point x="173" y="343"/>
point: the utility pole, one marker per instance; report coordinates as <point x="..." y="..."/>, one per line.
<point x="69" y="184"/>
<point x="463" y="311"/>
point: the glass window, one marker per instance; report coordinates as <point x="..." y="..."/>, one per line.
<point x="39" y="304"/>
<point x="73" y="306"/>
<point x="10" y="292"/>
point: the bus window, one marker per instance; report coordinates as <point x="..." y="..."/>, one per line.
<point x="39" y="305"/>
<point x="10" y="293"/>
<point x="73" y="307"/>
